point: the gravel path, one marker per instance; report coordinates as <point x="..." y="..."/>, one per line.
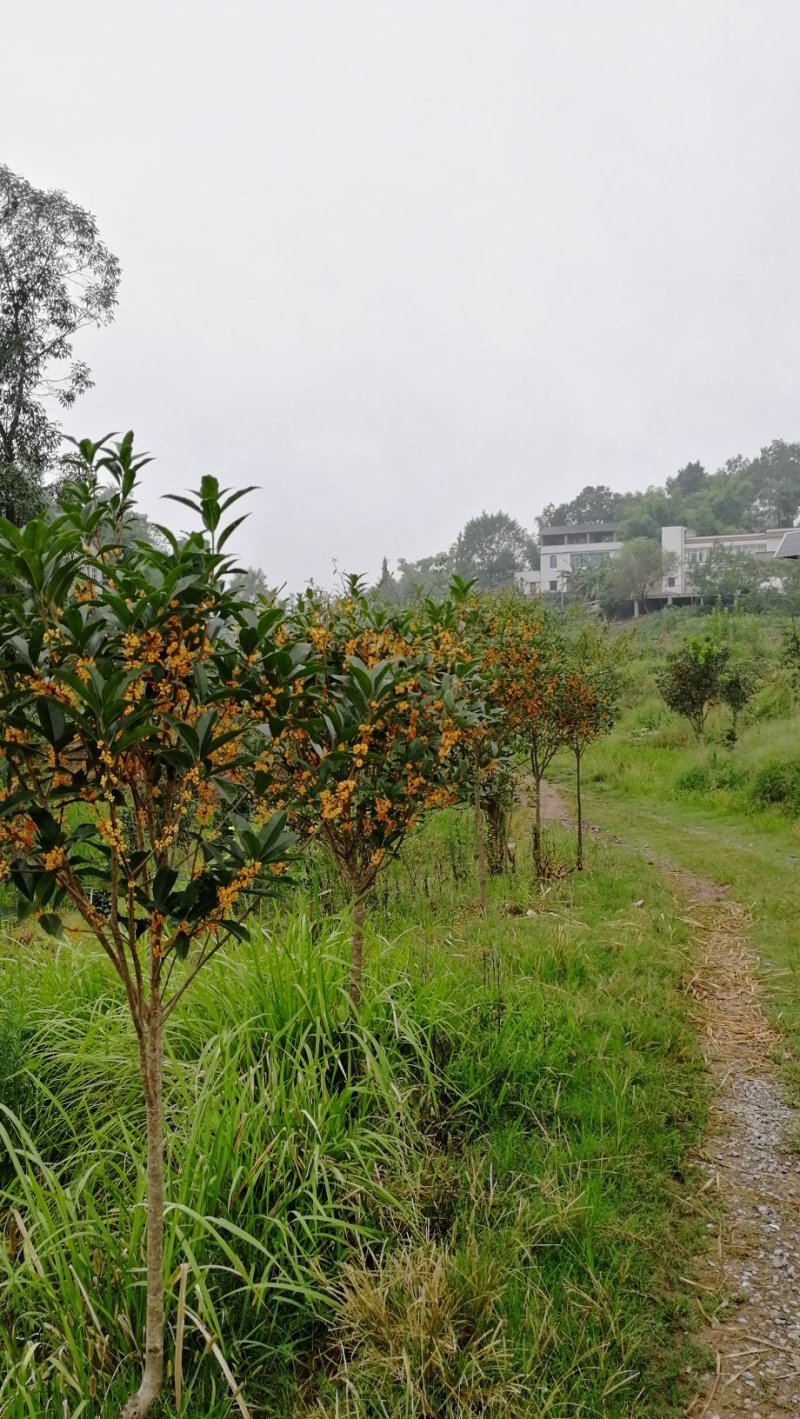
<point x="754" y="1261"/>
<point x="748" y="1282"/>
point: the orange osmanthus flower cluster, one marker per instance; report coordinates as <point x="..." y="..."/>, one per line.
<point x="134" y="691"/>
<point x="551" y="686"/>
<point x="380" y="729"/>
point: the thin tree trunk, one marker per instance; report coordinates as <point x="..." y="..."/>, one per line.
<point x="151" y="1066"/>
<point x="537" y="827"/>
<point x="580" y="810"/>
<point x="496" y="816"/>
<point x="357" y="950"/>
<point x="480" y="844"/>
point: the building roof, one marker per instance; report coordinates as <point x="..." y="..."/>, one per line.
<point x="790" y="546"/>
<point x="768" y="532"/>
<point x="581" y="527"/>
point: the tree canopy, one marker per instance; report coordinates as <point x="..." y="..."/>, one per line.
<point x="490" y="550"/>
<point x="56" y="277"/>
<point x="638" y="570"/>
<point x="746" y="494"/>
<point x="591" y="504"/>
<point x="727" y="574"/>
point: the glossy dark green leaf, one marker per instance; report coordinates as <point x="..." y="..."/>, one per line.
<point x="51" y="923"/>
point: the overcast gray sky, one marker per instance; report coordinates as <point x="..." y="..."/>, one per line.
<point x="398" y="261"/>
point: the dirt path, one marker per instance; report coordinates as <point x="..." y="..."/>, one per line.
<point x="554" y="809"/>
<point x="748" y="1283"/>
<point x="755" y="1259"/>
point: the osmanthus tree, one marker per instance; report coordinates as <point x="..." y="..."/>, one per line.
<point x="523" y="666"/>
<point x="587" y="704"/>
<point x="691" y="681"/>
<point x="380" y="736"/>
<point x="737" y="687"/>
<point x="490" y="784"/>
<point x="135" y="691"/>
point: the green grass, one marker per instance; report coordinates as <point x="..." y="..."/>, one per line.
<point x="756" y="854"/>
<point x="472" y="1203"/>
<point x="731" y="814"/>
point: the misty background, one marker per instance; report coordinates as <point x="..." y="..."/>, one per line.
<point x="400" y="262"/>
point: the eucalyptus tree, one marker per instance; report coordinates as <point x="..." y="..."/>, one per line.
<point x="56" y="278"/>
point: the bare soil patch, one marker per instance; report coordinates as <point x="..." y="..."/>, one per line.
<point x="554" y="809"/>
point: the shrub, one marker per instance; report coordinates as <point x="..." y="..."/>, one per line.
<point x="775" y="698"/>
<point x="691" y="680"/>
<point x="777" y="783"/>
<point x="697" y="779"/>
<point x="728" y="772"/>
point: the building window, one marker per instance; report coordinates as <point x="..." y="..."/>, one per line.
<point x="554" y="586"/>
<point x="553" y="562"/>
<point x="670" y="581"/>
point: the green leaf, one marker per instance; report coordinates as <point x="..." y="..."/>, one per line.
<point x="51" y="718"/>
<point x="234" y="497"/>
<point x="51" y="923"/>
<point x="360" y="674"/>
<point x="229" y="531"/>
<point x="163" y="883"/>
<point x="237" y="929"/>
<point x="46" y="826"/>
<point x="190" y="737"/>
<point x="182" y="944"/>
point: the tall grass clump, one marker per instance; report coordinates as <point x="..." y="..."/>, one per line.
<point x="776" y="782"/>
<point x="285" y="1119"/>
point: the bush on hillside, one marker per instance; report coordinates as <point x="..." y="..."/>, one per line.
<point x="722" y="771"/>
<point x="774" y="699"/>
<point x="776" y="782"/>
<point x="697" y="779"/>
<point x="691" y="680"/>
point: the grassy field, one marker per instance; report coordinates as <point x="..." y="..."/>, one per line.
<point x="729" y="813"/>
<point x="477" y="1200"/>
<point x="471" y="1204"/>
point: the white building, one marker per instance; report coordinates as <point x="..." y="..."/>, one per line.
<point x="563" y="550"/>
<point x="690" y="551"/>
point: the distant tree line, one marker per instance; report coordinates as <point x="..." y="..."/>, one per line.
<point x="490" y="550"/>
<point x="745" y="495"/>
